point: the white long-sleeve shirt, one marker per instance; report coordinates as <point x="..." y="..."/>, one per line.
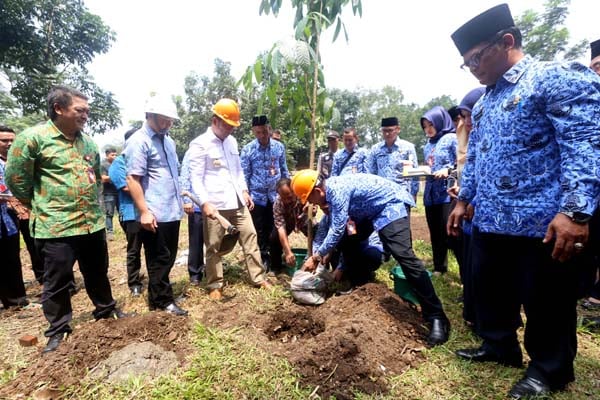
<point x="216" y="172"/>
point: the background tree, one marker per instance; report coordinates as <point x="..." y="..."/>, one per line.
<point x="544" y="35"/>
<point x="48" y="42"/>
<point x="306" y="97"/>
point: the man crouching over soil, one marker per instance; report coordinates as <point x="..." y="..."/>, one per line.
<point x="368" y="198"/>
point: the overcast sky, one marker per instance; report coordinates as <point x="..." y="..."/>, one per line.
<point x="400" y="43"/>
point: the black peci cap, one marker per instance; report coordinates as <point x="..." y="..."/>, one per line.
<point x="595" y="46"/>
<point x="259" y="120"/>
<point x="389" y="121"/>
<point x="483" y="27"/>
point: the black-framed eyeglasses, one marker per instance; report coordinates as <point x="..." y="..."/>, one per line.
<point x="475" y="59"/>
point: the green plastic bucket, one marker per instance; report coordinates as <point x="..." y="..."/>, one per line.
<point x="300" y="256"/>
<point x="401" y="286"/>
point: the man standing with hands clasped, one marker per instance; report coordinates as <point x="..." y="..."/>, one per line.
<point x="532" y="167"/>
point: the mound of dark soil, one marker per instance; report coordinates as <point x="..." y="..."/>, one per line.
<point x="94" y="342"/>
<point x="351" y="343"/>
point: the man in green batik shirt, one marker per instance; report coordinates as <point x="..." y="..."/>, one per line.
<point x="54" y="170"/>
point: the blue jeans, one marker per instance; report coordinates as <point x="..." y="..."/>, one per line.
<point x="110" y="204"/>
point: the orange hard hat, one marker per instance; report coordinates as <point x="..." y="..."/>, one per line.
<point x="304" y="182"/>
<point x="228" y="110"/>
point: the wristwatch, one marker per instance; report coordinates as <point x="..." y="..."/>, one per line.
<point x="577" y="217"/>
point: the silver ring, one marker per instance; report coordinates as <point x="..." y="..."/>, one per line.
<point x="578" y="246"/>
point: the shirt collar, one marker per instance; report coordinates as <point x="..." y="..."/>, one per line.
<point x="55" y="132"/>
<point x="151" y="132"/>
<point x="516" y="71"/>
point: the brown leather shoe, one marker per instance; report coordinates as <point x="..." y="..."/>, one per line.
<point x="215" y="294"/>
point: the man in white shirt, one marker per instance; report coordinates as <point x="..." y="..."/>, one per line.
<point x="218" y="181"/>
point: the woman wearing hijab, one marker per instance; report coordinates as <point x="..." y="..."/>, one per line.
<point x="440" y="155"/>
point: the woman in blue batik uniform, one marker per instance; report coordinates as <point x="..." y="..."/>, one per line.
<point x="440" y="155"/>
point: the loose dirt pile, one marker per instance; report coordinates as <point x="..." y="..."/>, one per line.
<point x="94" y="342"/>
<point x="350" y="343"/>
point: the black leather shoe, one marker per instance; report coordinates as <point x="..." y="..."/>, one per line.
<point x="175" y="310"/>
<point x="136" y="291"/>
<point x="53" y="342"/>
<point x="530" y="388"/>
<point x="194" y="281"/>
<point x="481" y="354"/>
<point x="440" y="331"/>
<point x="115" y="314"/>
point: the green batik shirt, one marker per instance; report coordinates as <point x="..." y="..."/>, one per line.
<point x="59" y="178"/>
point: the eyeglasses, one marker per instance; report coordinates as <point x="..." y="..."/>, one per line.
<point x="475" y="59"/>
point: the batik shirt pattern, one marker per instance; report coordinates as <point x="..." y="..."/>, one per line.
<point x="439" y="155"/>
<point x="263" y="166"/>
<point x="60" y="178"/>
<point x="535" y="148"/>
<point x="361" y="197"/>
<point x="185" y="181"/>
<point x="386" y="162"/>
<point x="356" y="164"/>
<point x="5" y="219"/>
<point x="289" y="216"/>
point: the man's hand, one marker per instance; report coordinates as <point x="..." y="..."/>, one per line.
<point x="441" y="173"/>
<point x="148" y="221"/>
<point x="209" y="210"/>
<point x="566" y="233"/>
<point x="338" y="274"/>
<point x="455" y="218"/>
<point x="453" y="191"/>
<point x="310" y="264"/>
<point x="188" y="208"/>
<point x="290" y="259"/>
<point x="248" y="200"/>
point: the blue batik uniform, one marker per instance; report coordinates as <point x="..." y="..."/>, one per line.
<point x="534" y="149"/>
<point x="439" y="155"/>
<point x="357" y="163"/>
<point x="386" y="162"/>
<point x="263" y="166"/>
<point x="361" y="197"/>
<point x="6" y="220"/>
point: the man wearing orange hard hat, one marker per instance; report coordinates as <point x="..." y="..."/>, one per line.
<point x="219" y="184"/>
<point x="374" y="204"/>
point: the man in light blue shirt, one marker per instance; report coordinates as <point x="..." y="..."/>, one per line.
<point x="152" y="178"/>
<point x="532" y="167"/>
<point x="374" y="204"/>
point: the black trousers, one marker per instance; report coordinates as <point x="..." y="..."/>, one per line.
<point x="594" y="246"/>
<point x="12" y="290"/>
<point x="466" y="275"/>
<point x="59" y="256"/>
<point x="160" y="248"/>
<point x="437" y="218"/>
<point x="396" y="239"/>
<point x="262" y="218"/>
<point x="196" y="263"/>
<point x="510" y="271"/>
<point x="134" y="252"/>
<point x="36" y="262"/>
<point x="276" y="250"/>
<point x="359" y="259"/>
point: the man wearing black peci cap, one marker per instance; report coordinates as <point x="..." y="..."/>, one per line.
<point x="389" y="157"/>
<point x="531" y="165"/>
<point x="264" y="163"/>
<point x="595" y="63"/>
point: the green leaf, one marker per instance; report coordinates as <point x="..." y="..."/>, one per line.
<point x="338" y="26"/>
<point x="258" y="71"/>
